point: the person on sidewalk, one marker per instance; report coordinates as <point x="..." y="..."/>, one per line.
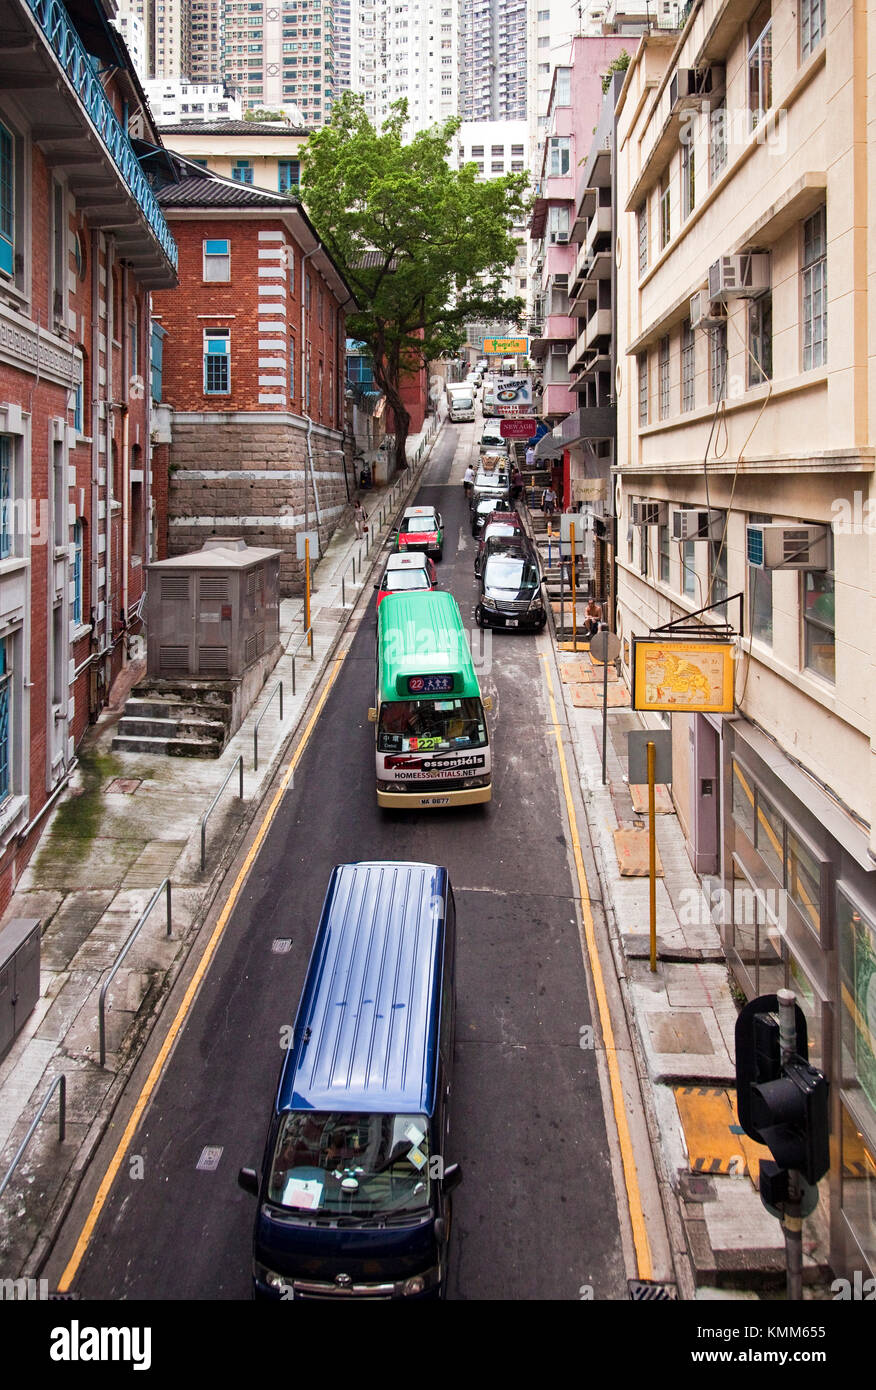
<point x="516" y="486"/>
<point x="530" y="456"/>
<point x="592" y="618"/>
<point x="360" y="516"/>
<point x="468" y="482"/>
<point x="549" y="501"/>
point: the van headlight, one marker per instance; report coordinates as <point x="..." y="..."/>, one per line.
<point x="279" y="1282"/>
<point x="488" y="602"/>
<point x="413" y="1286"/>
<point x="536" y="605"/>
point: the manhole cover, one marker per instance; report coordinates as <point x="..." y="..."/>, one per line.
<point x="126" y="785"/>
<point x="209" y="1160"/>
<point x="646" y="1291"/>
<point x="281" y="944"/>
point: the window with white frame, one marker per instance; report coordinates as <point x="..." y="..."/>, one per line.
<point x="814" y="290"/>
<point x="642" y="236"/>
<point x="664" y="377"/>
<point x="217" y="361"/>
<point x="812" y="25"/>
<point x="76" y="576"/>
<point x="563" y="89"/>
<point x="665" y="217"/>
<point x="718" y="361"/>
<point x="688" y="366"/>
<point x="217" y="260"/>
<point x="688" y="177"/>
<point x="559" y="155"/>
<point x="760" y="63"/>
<point x="760" y="340"/>
<point x="642" y="364"/>
<point x="7" y="496"/>
<point x="819" y="618"/>
<point x="717" y="140"/>
<point x="6" y="714"/>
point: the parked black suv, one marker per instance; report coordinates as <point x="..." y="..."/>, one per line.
<point x="510" y="590"/>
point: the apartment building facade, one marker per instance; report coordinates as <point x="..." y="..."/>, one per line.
<point x="745" y="479"/>
<point x="254" y="352"/>
<point x="492" y="60"/>
<point x="82" y="244"/>
<point x="281" y="53"/>
<point x="573" y="112"/>
<point x="261" y="154"/>
<point x="406" y="51"/>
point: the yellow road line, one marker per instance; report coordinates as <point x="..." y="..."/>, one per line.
<point x="631" y="1177"/>
<point x="209" y="951"/>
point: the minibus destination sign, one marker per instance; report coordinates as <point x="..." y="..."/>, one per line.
<point x="430" y="685"/>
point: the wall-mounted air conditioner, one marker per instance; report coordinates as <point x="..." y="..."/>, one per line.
<point x="561" y="238"/>
<point x="560" y="349"/>
<point x="704" y="312"/>
<point x="648" y="513"/>
<point x="740" y="277"/>
<point x="779" y="547"/>
<point x="696" y="524"/>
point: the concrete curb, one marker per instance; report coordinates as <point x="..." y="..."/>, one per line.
<point x="140" y="1032"/>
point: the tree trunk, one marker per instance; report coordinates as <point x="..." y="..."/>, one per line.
<point x="387" y="381"/>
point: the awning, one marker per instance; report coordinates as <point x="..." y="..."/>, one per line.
<point x="550" y="447"/>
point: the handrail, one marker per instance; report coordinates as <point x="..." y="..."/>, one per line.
<point x="209" y="811"/>
<point x="343" y="579"/>
<point x="81" y="71"/>
<point x="62" y="1126"/>
<point x="163" y="887"/>
<point x="308" y="633"/>
<point x="255" y="732"/>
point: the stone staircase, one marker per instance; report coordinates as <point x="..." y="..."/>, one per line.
<point x="556" y="583"/>
<point x="182" y="719"/>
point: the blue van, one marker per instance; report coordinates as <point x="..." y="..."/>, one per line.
<point x="353" y="1193"/>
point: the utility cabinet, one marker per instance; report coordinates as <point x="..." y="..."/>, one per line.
<point x="19" y="976"/>
<point x="214" y="612"/>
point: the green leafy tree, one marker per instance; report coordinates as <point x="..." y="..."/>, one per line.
<point x="424" y="248"/>
<point x="618" y="64"/>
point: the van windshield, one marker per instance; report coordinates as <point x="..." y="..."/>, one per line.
<point x="415" y="726"/>
<point x="364" y="1165"/>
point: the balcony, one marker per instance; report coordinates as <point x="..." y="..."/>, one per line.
<point x="598" y="326"/>
<point x="600" y="225"/>
<point x="78" y="131"/>
<point x="589" y="422"/>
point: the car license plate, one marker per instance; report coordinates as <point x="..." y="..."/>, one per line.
<point x="511" y="622"/>
<point x="435" y="801"/>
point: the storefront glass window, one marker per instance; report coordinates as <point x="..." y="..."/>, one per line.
<point x="770" y="836"/>
<point x="804" y="880"/>
<point x="857" y="946"/>
<point x="743" y="801"/>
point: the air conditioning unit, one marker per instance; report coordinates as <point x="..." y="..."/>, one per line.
<point x="648" y="513"/>
<point x="690" y="87"/>
<point x="740" y="277"/>
<point x="561" y="281"/>
<point x="561" y="238"/>
<point x="696" y="524"/>
<point x="560" y="349"/>
<point x="704" y="312"/>
<point x="779" y="547"/>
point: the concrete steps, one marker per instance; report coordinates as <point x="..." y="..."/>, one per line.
<point x="182" y="720"/>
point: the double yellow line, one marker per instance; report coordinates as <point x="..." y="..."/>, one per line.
<point x="631" y="1177"/>
<point x="152" y="1080"/>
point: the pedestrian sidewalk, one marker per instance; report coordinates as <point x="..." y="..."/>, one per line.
<point x="127" y="823"/>
<point x="682" y="1017"/>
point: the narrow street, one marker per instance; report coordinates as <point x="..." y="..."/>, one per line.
<point x="536" y="1216"/>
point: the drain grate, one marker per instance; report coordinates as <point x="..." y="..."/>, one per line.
<point x="209" y="1160"/>
<point x="647" y="1291"/>
<point x="281" y="945"/>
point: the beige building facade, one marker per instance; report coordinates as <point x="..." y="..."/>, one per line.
<point x="746" y="389"/>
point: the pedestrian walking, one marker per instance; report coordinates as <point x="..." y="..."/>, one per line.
<point x="468" y="481"/>
<point x="548" y="501"/>
<point x="530" y="456"/>
<point x="360" y="516"/>
<point x="516" y="486"/>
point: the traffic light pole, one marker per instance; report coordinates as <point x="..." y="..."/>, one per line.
<point x="792" y="1214"/>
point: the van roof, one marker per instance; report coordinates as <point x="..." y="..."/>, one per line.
<point x="366" y="1033"/>
<point x="422" y="634"/>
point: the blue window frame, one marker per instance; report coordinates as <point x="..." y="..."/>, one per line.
<point x="7" y="202"/>
<point x="5" y="694"/>
<point x="242" y="171"/>
<point x="157" y="359"/>
<point x="289" y="174"/>
<point x="6" y="507"/>
<point x="217" y="358"/>
<point x="77" y="572"/>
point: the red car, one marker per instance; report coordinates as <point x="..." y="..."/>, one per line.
<point x="421" y="528"/>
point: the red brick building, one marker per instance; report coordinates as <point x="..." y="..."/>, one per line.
<point x="254" y="355"/>
<point x="82" y="243"/>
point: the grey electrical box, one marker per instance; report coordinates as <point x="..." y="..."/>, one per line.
<point x="19" y="976"/>
<point x="212" y="612"/>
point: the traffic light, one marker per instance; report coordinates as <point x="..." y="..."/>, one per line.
<point x="784" y="1107"/>
<point x="793" y="1117"/>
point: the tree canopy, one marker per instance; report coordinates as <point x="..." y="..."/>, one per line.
<point x="425" y="248"/>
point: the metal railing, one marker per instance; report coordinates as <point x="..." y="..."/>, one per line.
<point x="255" y="732"/>
<point x="62" y="1126"/>
<point x="81" y="71"/>
<point x="238" y="763"/>
<point x="343" y="580"/>
<point x="163" y="887"/>
<point x="304" y="637"/>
